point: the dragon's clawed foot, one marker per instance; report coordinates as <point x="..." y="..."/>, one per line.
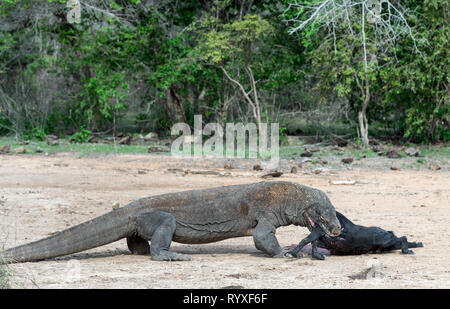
<point x="290" y="252"/>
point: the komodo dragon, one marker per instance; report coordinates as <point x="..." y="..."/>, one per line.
<point x="193" y="217"/>
<point x="353" y="240"/>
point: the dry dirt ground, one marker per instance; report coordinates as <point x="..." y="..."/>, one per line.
<point x="40" y="195"/>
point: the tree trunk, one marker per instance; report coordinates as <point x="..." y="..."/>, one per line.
<point x="362" y="116"/>
<point x="363" y="128"/>
<point x="224" y="110"/>
<point x="254" y="104"/>
<point x="255" y="97"/>
<point x="174" y="108"/>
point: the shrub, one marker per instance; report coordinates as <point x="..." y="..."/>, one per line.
<point x="81" y="136"/>
<point x="35" y="133"/>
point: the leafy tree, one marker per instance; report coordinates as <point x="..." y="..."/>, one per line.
<point x="359" y="35"/>
<point x="232" y="46"/>
<point x="418" y="86"/>
<point x="161" y="62"/>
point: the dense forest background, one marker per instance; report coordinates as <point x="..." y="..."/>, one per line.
<point x="141" y="66"/>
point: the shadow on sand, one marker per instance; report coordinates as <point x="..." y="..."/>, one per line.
<point x="185" y="249"/>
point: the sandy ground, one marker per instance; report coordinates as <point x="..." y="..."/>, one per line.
<point x="40" y="195"/>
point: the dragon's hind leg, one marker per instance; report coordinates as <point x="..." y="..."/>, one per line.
<point x="159" y="227"/>
<point x="138" y="245"/>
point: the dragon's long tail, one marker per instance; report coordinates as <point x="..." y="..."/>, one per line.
<point x="99" y="231"/>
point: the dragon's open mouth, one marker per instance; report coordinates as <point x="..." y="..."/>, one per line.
<point x="312" y="224"/>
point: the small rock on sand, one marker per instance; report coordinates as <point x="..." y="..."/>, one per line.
<point x="412" y="152"/>
<point x="312" y="149"/>
<point x="342" y="143"/>
<point x="306" y="154"/>
<point x="125" y="141"/>
<point x="51" y="136"/>
<point x="343" y="182"/>
<point x="347" y="160"/>
<point x="232" y="287"/>
<point x="5" y="149"/>
<point x="257" y="167"/>
<point x="20" y="150"/>
<point x="377" y="149"/>
<point x="52" y="140"/>
<point x="434" y="167"/>
<point x="323" y="162"/>
<point x="157" y="149"/>
<point x="272" y="174"/>
<point x="372" y="271"/>
<point x="151" y="136"/>
<point x="92" y="139"/>
<point x="392" y="154"/>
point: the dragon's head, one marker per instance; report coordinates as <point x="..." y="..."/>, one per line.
<point x="324" y="215"/>
<point x="312" y="207"/>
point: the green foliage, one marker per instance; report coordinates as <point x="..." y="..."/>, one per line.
<point x="283" y="138"/>
<point x="109" y="89"/>
<point x="7" y="42"/>
<point x="418" y="84"/>
<point x="6" y="6"/>
<point x="35" y="133"/>
<point x="409" y="90"/>
<point x="108" y="67"/>
<point x="5" y="124"/>
<point x="81" y="136"/>
<point x="230" y="40"/>
<point x="177" y="65"/>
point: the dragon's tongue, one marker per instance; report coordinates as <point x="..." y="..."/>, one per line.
<point x="311" y="221"/>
